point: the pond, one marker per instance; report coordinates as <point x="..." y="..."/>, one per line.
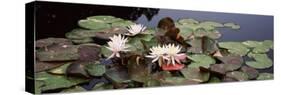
<point x="66" y="44"/>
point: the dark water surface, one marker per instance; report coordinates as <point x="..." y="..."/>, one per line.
<point x="56" y="19"/>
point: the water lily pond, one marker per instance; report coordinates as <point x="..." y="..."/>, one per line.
<point x="146" y="47"/>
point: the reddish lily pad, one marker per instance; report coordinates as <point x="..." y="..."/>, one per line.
<point x="252" y="73"/>
<point x="231" y="62"/>
<point x="171" y="67"/>
<point x="58" y="53"/>
<point x="89" y="52"/>
<point x="77" y="70"/>
<point x="237" y="75"/>
<point x="52" y="41"/>
<point x="138" y="70"/>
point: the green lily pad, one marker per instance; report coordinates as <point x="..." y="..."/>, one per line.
<point x="265" y="76"/>
<point x="110" y="32"/>
<point x="122" y="23"/>
<point x="251" y="72"/>
<point x="82" y="41"/>
<point x="201" y="60"/>
<point x="252" y="44"/>
<point x="93" y="24"/>
<point x="264" y="47"/>
<point x="59" y="70"/>
<point x="195" y="74"/>
<point x="105" y="19"/>
<point x="117" y="75"/>
<point x="209" y="45"/>
<point x="103" y="86"/>
<point x="38" y="85"/>
<point x="58" y="53"/>
<point x="52" y="82"/>
<point x="210" y="25"/>
<point x="232" y="25"/>
<point x="214" y="80"/>
<point x="79" y="34"/>
<point x="178" y="81"/>
<point x="74" y="89"/>
<point x="95" y="69"/>
<point x="237" y="75"/>
<point x="188" y="21"/>
<point x="236" y="48"/>
<point x="262" y="61"/>
<point x="106" y="52"/>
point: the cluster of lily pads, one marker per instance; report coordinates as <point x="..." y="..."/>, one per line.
<point x="112" y="53"/>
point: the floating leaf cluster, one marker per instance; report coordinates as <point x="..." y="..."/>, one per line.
<point x="107" y="52"/>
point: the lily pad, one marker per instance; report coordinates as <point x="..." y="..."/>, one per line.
<point x="79" y="34"/>
<point x="82" y="41"/>
<point x="106" y="52"/>
<point x="178" y="81"/>
<point x="95" y="69"/>
<point x="109" y="32"/>
<point x="59" y="70"/>
<point x="93" y="24"/>
<point x="140" y="71"/>
<point x="236" y="48"/>
<point x="43" y="66"/>
<point x="218" y="68"/>
<point x="122" y="23"/>
<point x="77" y="70"/>
<point x="117" y="75"/>
<point x="52" y="82"/>
<point x="232" y="25"/>
<point x="201" y="60"/>
<point x="103" y="86"/>
<point x="196" y="45"/>
<point x="252" y="73"/>
<point x="188" y="21"/>
<point x="210" y="25"/>
<point x="73" y="89"/>
<point x="265" y="76"/>
<point x="52" y="41"/>
<point x="58" y="53"/>
<point x="89" y="52"/>
<point x="262" y="61"/>
<point x="214" y="80"/>
<point x="237" y="75"/>
<point x="231" y="62"/>
<point x="195" y="74"/>
<point x="105" y="19"/>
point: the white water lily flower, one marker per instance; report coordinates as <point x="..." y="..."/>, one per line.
<point x="173" y="53"/>
<point x="116" y="45"/>
<point x="135" y="29"/>
<point x="170" y="53"/>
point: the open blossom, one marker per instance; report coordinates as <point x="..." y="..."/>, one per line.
<point x="135" y="29"/>
<point x="116" y="45"/>
<point x="174" y="55"/>
<point x="169" y="53"/>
